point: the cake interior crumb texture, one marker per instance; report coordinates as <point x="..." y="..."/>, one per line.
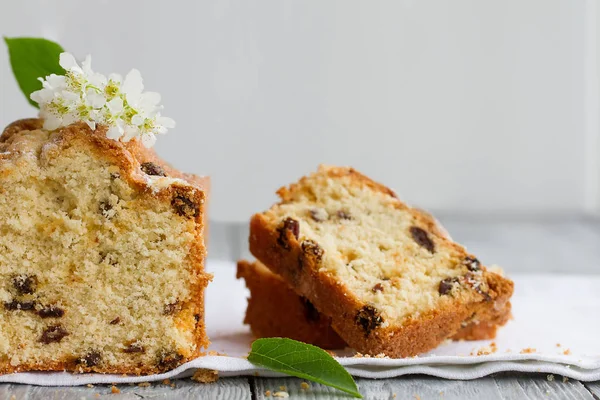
<point x="101" y="264"/>
<point x="367" y="245"/>
<point x="372" y="263"/>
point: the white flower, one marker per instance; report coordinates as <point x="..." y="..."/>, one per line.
<point x="84" y="95"/>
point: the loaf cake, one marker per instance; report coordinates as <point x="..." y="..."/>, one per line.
<point x="390" y="281"/>
<point x="101" y="254"/>
<point x="275" y="310"/>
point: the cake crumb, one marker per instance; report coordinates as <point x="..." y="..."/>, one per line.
<point x="565" y="379"/>
<point x="281" y="394"/>
<point x="203" y="375"/>
<point x="557" y="344"/>
<point x="417" y="397"/>
<point x="90" y="385"/>
<point x="282" y="388"/>
<point x="304" y="386"/>
<point x="144" y="384"/>
<point x="268" y="393"/>
<point x="394" y="395"/>
<point x="567" y="352"/>
<point x="550" y="378"/>
<point x="166" y="382"/>
<point x="528" y="350"/>
<point x="114" y="390"/>
<point x="486" y="350"/>
<point x="216" y="353"/>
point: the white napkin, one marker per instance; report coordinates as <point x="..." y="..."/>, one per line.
<point x="557" y="315"/>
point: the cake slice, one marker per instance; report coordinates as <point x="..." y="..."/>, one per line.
<point x="275" y="310"/>
<point x="388" y="279"/>
<point x="101" y="254"/>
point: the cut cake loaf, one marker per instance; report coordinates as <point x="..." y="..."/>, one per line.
<point x="101" y="254"/>
<point x="390" y="281"/>
<point x="275" y="310"/>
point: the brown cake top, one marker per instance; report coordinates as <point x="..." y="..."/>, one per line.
<point x="139" y="165"/>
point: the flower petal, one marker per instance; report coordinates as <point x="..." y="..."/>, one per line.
<point x="137" y="120"/>
<point x="114" y="132"/>
<point x="95" y="100"/>
<point x="42" y="96"/>
<point x="52" y="122"/>
<point x="165" y="121"/>
<point x="86" y="65"/>
<point x="68" y="62"/>
<point x="91" y="124"/>
<point x="148" y="140"/>
<point x="115" y="106"/>
<point x="133" y="86"/>
<point x="115" y="78"/>
<point x="130" y="133"/>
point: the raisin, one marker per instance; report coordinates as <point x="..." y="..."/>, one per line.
<point x="369" y="319"/>
<point x="342" y="214"/>
<point x="53" y="334"/>
<point x="115" y="321"/>
<point x="310" y="248"/>
<point x="185" y="207"/>
<point x="446" y="285"/>
<point x="51" y="312"/>
<point x="472" y="263"/>
<point x="318" y="215"/>
<point x="310" y="312"/>
<point x="150" y="168"/>
<point x="422" y="238"/>
<point x="25" y="284"/>
<point x="377" y="288"/>
<point x="288" y="225"/>
<point x="91" y="359"/>
<point x="172" y="308"/>
<point x="197" y="317"/>
<point x="134" y="347"/>
<point x="19" y="305"/>
<point x="168" y="361"/>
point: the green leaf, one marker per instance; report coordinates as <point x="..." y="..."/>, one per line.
<point x="303" y="361"/>
<point x="32" y="58"/>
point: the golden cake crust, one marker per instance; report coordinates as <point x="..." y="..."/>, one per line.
<point x="137" y="166"/>
<point x="275" y="310"/>
<point x="305" y="274"/>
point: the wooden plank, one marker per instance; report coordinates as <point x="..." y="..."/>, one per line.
<point x="492" y="388"/>
<point x="540" y="386"/>
<point x="594" y="388"/>
<point x="384" y="389"/>
<point x="185" y="389"/>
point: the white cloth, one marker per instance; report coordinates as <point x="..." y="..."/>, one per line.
<point x="549" y="310"/>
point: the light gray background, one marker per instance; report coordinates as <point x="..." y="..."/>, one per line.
<point x="464" y="107"/>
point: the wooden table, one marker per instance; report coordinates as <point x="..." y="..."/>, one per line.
<point x="557" y="245"/>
